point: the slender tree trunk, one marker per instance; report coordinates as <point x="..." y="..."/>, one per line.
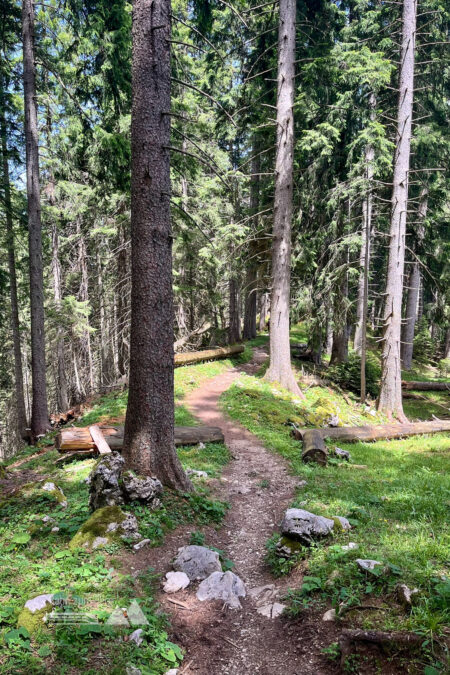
<point x="390" y="397"/>
<point x="280" y="369"/>
<point x="234" y="331"/>
<point x="84" y="297"/>
<point x="39" y="414"/>
<point x="61" y="391"/>
<point x="252" y="263"/>
<point x="149" y="446"/>
<point x="411" y="315"/>
<point x="447" y="344"/>
<point x="263" y="307"/>
<point x="122" y="304"/>
<point x="364" y="257"/>
<point x="15" y="325"/>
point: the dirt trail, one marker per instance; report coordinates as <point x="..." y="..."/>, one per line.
<point x="240" y="642"/>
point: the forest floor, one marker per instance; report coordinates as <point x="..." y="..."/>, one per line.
<point x="398" y="508"/>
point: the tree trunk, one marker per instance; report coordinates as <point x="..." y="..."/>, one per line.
<point x="61" y="384"/>
<point x="280" y="369"/>
<point x="83" y="295"/>
<point x="410" y="318"/>
<point x="372" y="432"/>
<point x="249" y="331"/>
<point x="252" y="263"/>
<point x="15" y="325"/>
<point x="149" y="446"/>
<point x="234" y="331"/>
<point x="263" y="307"/>
<point x="122" y="304"/>
<point x="390" y="397"/>
<point x="39" y="414"/>
<point x="447" y="344"/>
<point x="364" y="257"/>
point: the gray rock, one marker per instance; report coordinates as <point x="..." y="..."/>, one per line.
<point x="351" y="546"/>
<point x="132" y="670"/>
<point x="99" y="541"/>
<point x="302" y="483"/>
<point x="48" y="519"/>
<point x="172" y="671"/>
<point x="141" y="544"/>
<point x="406" y="595"/>
<point x="198" y="562"/>
<point x="129" y="527"/>
<point x="137" y="637"/>
<point x="145" y="490"/>
<point x="272" y="610"/>
<point x="225" y="586"/>
<point x="193" y="473"/>
<point x="39" y="602"/>
<point x="176" y="581"/>
<point x="56" y="492"/>
<point x="304" y="526"/>
<point x="55" y="529"/>
<point x="104" y="488"/>
<point x="343" y="454"/>
<point x="367" y="565"/>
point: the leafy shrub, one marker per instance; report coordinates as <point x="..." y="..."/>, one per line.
<point x="444" y="367"/>
<point x="348" y="375"/>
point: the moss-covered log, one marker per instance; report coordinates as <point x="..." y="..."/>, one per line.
<point x="314" y="448"/>
<point x="207" y="355"/>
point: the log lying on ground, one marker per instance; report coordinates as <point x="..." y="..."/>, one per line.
<point x="99" y="440"/>
<point x="426" y="386"/>
<point x="79" y="438"/>
<point x="314" y="448"/>
<point x="349" y="637"/>
<point x="207" y="355"/>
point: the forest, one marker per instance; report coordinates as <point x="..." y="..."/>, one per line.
<point x="225" y="247"/>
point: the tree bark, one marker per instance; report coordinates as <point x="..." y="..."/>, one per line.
<point x="234" y="331"/>
<point x="149" y="446"/>
<point x="373" y="432"/>
<point x="390" y="397"/>
<point x="62" y="396"/>
<point x="263" y="306"/>
<point x="252" y="265"/>
<point x="122" y="304"/>
<point x="280" y="369"/>
<point x="447" y="344"/>
<point x="410" y="318"/>
<point x="39" y="413"/>
<point x="15" y="324"/>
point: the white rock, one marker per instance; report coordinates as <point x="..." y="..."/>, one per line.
<point x="39" y="602"/>
<point x="330" y="615"/>
<point x="48" y="519"/>
<point x="49" y="487"/>
<point x="99" y="541"/>
<point x="136" y="636"/>
<point x="55" y="529"/>
<point x="367" y="565"/>
<point x="176" y="581"/>
<point x="350" y="546"/>
<point x="405" y="594"/>
<point x="225" y="586"/>
<point x="132" y="670"/>
<point x="141" y="544"/>
<point x="196" y="474"/>
<point x="112" y="527"/>
<point x="172" y="671"/>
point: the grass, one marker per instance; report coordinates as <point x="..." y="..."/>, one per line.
<point x="398" y="507"/>
<point x="36" y="560"/>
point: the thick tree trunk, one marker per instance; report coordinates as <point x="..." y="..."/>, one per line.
<point x="39" y="414"/>
<point x="149" y="446"/>
<point x="62" y="396"/>
<point x="15" y="325"/>
<point x="339" y="350"/>
<point x="234" y="331"/>
<point x="410" y="318"/>
<point x="263" y="307"/>
<point x="280" y="369"/>
<point x="390" y="397"/>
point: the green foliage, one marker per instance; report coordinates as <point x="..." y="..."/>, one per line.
<point x="348" y="375"/>
<point x="424" y="348"/>
<point x="444" y="367"/>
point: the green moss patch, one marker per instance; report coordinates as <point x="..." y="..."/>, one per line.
<point x="97" y="526"/>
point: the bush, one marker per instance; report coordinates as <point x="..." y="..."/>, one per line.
<point x="444" y="367"/>
<point x="424" y="347"/>
<point x="348" y="375"/>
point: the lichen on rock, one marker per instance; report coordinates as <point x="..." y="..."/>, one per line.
<point x="106" y="525"/>
<point x="56" y="493"/>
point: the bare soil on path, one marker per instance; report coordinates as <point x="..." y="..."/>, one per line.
<point x="220" y="641"/>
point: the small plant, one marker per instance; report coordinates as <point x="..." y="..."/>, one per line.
<point x="332" y="651"/>
<point x="444" y="367"/>
<point x="280" y="565"/>
<point x="424" y="347"/>
<point x="265" y="483"/>
<point x="348" y="375"/>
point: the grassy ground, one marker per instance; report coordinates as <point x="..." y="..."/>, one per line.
<point x="398" y="507"/>
<point x="36" y="560"/>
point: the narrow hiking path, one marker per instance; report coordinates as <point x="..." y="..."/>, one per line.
<point x="237" y="642"/>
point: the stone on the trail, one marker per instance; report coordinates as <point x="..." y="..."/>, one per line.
<point x="406" y="595"/>
<point x="304" y="526"/>
<point x="343" y="454"/>
<point x="263" y="595"/>
<point x="141" y="544"/>
<point x="198" y="562"/>
<point x="137" y="637"/>
<point x="351" y="546"/>
<point x="176" y="581"/>
<point x="104" y="488"/>
<point x="272" y="610"/>
<point x="172" y="671"/>
<point x="106" y="525"/>
<point x="330" y="615"/>
<point x="367" y="565"/>
<point x="193" y="473"/>
<point x="225" y="586"/>
<point x="132" y="670"/>
<point x="33" y="615"/>
<point x="56" y="492"/>
<point x="145" y="490"/>
<point x="341" y="523"/>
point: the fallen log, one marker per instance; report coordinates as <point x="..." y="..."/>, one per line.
<point x="198" y="331"/>
<point x="400" y="639"/>
<point x="377" y="432"/>
<point x="314" y="448"/>
<point x="79" y="438"/>
<point x="426" y="386"/>
<point x="207" y="355"/>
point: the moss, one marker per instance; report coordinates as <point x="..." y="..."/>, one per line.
<point x="57" y="494"/>
<point x="3" y="472"/>
<point x="338" y="527"/>
<point x="33" y="621"/>
<point x="288" y="545"/>
<point x="96" y="526"/>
